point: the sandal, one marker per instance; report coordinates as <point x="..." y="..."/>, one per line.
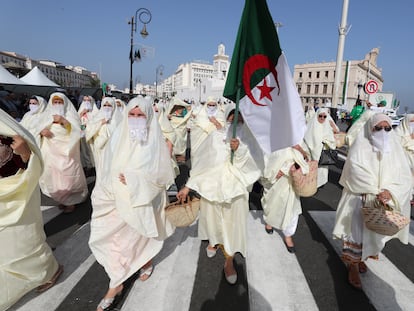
<point x="145" y="273"/>
<point x="353" y="276"/>
<point x="362" y="267"/>
<point x="211" y="251"/>
<point x="51" y="282"/>
<point x="231" y="277"/>
<point x="109" y="303"/>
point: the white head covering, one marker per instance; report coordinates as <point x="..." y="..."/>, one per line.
<point x="146" y="166"/>
<point x="318" y="133"/>
<point x="31" y="119"/>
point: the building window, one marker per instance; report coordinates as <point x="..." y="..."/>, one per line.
<point x="299" y="88"/>
<point x="325" y="89"/>
<point x="326" y="74"/>
<point x="308" y="87"/>
<point x="310" y="74"/>
<point x="317" y="74"/>
<point x="316" y="89"/>
<point x="300" y="74"/>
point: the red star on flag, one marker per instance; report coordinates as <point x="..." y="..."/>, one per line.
<point x="265" y="90"/>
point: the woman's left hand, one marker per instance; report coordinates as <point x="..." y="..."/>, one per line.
<point x="234" y="144"/>
<point x="384" y="196"/>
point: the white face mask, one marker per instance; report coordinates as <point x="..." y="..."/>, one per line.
<point x="107" y="111"/>
<point x="88" y="105"/>
<point x="381" y="141"/>
<point x="33" y="108"/>
<point x="211" y="111"/>
<point x="120" y="108"/>
<point x="412" y="127"/>
<point x="58" y="109"/>
<point x="138" y="130"/>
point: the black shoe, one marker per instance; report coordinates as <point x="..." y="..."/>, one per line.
<point x="269" y="231"/>
<point x="290" y="249"/>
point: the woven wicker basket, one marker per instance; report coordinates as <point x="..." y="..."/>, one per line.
<point x="383" y="220"/>
<point x="183" y="214"/>
<point x="305" y="185"/>
<point x="340" y="139"/>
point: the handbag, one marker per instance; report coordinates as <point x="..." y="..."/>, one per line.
<point x="305" y="185"/>
<point x="383" y="219"/>
<point x="328" y="157"/>
<point x="183" y="213"/>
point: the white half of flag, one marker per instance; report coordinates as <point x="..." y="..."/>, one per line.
<point x="276" y="122"/>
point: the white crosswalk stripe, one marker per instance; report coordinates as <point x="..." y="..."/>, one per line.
<point x="384" y="284"/>
<point x="277" y="283"/>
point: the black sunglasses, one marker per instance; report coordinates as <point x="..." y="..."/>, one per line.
<point x="322" y="117"/>
<point x="380" y="128"/>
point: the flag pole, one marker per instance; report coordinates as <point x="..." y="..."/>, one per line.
<point x="235" y="118"/>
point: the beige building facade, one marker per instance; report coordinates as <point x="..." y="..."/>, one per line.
<point x="315" y="82"/>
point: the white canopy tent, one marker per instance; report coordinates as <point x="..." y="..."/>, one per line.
<point x="7" y="78"/>
<point x="37" y="77"/>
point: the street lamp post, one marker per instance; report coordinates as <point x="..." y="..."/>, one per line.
<point x="158" y="72"/>
<point x="199" y="94"/>
<point x="359" y="91"/>
<point x="144" y="17"/>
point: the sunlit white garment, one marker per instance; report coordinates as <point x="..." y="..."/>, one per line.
<point x="26" y="261"/>
<point x="128" y="223"/>
<point x="281" y="205"/>
<point x="179" y="123"/>
<point x="85" y="118"/>
<point x="404" y="131"/>
<point x="31" y="119"/>
<point x="317" y="134"/>
<point x="63" y="178"/>
<point x="223" y="187"/>
<point x="367" y="171"/>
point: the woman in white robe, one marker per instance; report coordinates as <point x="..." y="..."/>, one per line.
<point x="405" y="130"/>
<point x="26" y="261"/>
<point x="319" y="135"/>
<point x="281" y="205"/>
<point x="87" y="111"/>
<point x="179" y="115"/>
<point x="31" y="119"/>
<point x="63" y="178"/>
<point x="223" y="186"/>
<point x="376" y="167"/>
<point x="128" y="224"/>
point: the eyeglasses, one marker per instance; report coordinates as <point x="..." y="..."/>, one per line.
<point x="380" y="128"/>
<point x="322" y="117"/>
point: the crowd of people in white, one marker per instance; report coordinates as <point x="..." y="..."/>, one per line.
<point x="137" y="149"/>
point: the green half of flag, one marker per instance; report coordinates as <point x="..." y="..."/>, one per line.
<point x="256" y="50"/>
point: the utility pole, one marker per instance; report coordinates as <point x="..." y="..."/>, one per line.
<point x="343" y="31"/>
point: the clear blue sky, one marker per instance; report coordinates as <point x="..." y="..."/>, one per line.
<point x="96" y="35"/>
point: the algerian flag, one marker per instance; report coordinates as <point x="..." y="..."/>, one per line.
<point x="268" y="98"/>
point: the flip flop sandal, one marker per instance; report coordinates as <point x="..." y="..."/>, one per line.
<point x="51" y="282"/>
<point x="362" y="267"/>
<point x="109" y="303"/>
<point x="144" y="274"/>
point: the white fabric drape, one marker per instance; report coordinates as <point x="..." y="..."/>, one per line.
<point x="26" y="261"/>
<point x="368" y="172"/>
<point x="63" y="178"/>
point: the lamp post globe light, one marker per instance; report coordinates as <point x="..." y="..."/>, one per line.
<point x="158" y="73"/>
<point x="144" y="16"/>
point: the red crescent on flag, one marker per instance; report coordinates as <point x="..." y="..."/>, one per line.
<point x="253" y="64"/>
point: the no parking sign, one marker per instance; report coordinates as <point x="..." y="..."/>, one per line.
<point x="371" y="87"/>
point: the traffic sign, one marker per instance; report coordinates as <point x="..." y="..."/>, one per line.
<point x="371" y="87"/>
